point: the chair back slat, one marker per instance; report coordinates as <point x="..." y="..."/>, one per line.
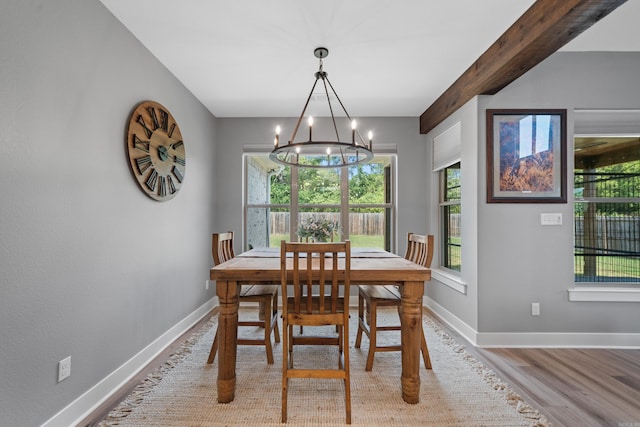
<point x="222" y="247"/>
<point x="419" y="249"/>
<point x="319" y="266"/>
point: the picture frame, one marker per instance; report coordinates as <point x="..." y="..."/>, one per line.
<point x="526" y="156"/>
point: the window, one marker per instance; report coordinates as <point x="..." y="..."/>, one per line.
<point x="359" y="198"/>
<point x="607" y="210"/>
<point x="450" y="215"/>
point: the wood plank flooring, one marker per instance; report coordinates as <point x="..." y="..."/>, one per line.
<point x="570" y="387"/>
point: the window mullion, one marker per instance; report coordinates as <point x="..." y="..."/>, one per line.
<point x="293" y="214"/>
<point x="344" y="202"/>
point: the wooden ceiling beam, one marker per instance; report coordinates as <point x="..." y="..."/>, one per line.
<point x="544" y="28"/>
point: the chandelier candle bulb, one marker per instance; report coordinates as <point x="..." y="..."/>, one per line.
<point x="353" y="132"/>
<point x="310" y="154"/>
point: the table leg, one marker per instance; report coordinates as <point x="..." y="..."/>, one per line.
<point x="227" y="292"/>
<point x="411" y="319"/>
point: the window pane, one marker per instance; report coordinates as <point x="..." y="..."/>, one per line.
<point x="452" y="183"/>
<point x="453" y="241"/>
<point x="451" y="210"/>
<point x="607" y="216"/>
<point x="274" y="207"/>
<point x="280" y="191"/>
<point x="266" y="227"/>
<point x="319" y="225"/>
<point x="368" y="183"/>
<point x="368" y="227"/>
<point x="266" y="181"/>
<point x="607" y="247"/>
<point x="318" y="186"/>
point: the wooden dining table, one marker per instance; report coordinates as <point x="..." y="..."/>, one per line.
<point x="368" y="266"/>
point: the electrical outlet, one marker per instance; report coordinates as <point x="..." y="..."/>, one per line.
<point x="206" y="285"/>
<point x="64" y="368"/>
<point x="535" y="309"/>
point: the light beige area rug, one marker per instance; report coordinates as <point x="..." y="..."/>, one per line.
<point x="458" y="391"/>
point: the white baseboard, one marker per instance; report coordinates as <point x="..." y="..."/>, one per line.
<point x="533" y="339"/>
<point x="82" y="407"/>
<point x="455" y="323"/>
<point x="559" y="340"/>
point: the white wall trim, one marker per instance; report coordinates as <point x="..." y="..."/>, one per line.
<point x="445" y="316"/>
<point x="602" y="294"/>
<point x="80" y="408"/>
<point x="532" y="339"/>
<point x="447" y="279"/>
<point x="559" y="340"/>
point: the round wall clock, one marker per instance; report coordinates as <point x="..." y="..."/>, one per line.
<point x="156" y="151"/>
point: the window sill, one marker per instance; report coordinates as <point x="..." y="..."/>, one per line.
<point x="448" y="279"/>
<point x="600" y="294"/>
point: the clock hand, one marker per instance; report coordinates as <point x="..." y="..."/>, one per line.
<point x="163" y="153"/>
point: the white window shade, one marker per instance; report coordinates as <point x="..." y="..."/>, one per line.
<point x="447" y="147"/>
<point x="606" y="122"/>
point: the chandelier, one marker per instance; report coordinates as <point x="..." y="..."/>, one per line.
<point x="325" y="153"/>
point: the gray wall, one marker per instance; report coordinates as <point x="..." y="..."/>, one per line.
<point x="404" y="132"/>
<point x="518" y="260"/>
<point x="91" y="267"/>
<point x="464" y="306"/>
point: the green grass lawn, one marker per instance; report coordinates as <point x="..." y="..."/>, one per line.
<point x="611" y="266"/>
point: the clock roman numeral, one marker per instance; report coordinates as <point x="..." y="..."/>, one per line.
<point x="164" y="120"/>
<point x="171" y="129"/>
<point x="143" y="163"/>
<point x="180" y="160"/>
<point x="148" y="131"/>
<point x="162" y="188"/>
<point x="140" y="144"/>
<point x="177" y="173"/>
<point x="172" y="186"/>
<point x="177" y="145"/>
<point x="154" y="118"/>
<point x="152" y="180"/>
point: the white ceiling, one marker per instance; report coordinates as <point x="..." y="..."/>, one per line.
<point x="254" y="58"/>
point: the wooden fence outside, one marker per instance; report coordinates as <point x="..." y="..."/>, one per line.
<point x="369" y="224"/>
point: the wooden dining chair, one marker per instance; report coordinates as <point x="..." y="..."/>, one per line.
<point x="265" y="295"/>
<point x="370" y="297"/>
<point x="326" y="267"/>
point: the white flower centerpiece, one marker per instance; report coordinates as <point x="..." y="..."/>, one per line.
<point x="317" y="229"/>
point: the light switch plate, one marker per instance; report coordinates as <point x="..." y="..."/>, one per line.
<point x="551" y="219"/>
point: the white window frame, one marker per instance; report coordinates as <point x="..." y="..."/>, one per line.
<point x="344" y="206"/>
<point x="594" y="122"/>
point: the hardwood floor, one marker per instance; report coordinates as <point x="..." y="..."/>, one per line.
<point x="570" y="387"/>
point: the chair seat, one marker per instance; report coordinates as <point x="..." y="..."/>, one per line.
<point x="265" y="295"/>
<point x="384" y="292"/>
<point x="370" y="297"/>
<point x="258" y="291"/>
<point x="313" y="309"/>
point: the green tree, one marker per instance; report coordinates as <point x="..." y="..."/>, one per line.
<point x="322" y="186"/>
